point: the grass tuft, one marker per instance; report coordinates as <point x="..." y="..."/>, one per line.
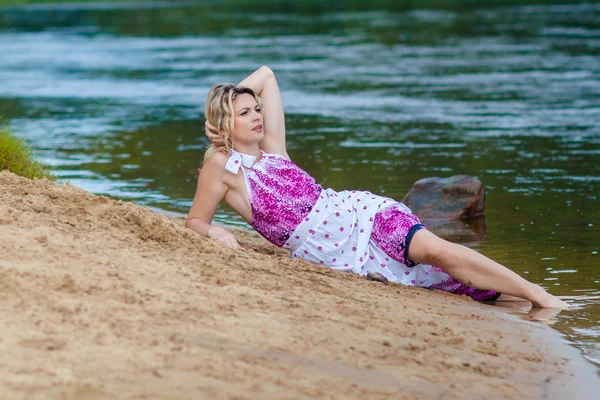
<point x="17" y="158"/>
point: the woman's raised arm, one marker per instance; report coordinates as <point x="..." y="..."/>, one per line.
<point x="210" y="192"/>
<point x="263" y="82"/>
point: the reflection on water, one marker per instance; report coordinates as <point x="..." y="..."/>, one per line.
<point x="469" y="232"/>
<point x="377" y="96"/>
<point x="577" y="322"/>
<point x="545" y="316"/>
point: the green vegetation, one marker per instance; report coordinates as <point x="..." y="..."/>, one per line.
<point x="17" y="158"/>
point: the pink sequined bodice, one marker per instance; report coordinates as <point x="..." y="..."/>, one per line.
<point x="281" y="195"/>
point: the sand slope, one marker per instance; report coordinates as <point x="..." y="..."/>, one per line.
<point x="107" y="299"/>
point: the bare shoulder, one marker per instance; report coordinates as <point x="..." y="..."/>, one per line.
<point x="216" y="162"/>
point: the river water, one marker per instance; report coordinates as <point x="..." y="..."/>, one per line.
<point x="377" y="96"/>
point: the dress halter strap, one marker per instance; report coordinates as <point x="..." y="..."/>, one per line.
<point x="236" y="160"/>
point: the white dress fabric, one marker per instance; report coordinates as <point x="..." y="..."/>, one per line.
<point x="337" y="233"/>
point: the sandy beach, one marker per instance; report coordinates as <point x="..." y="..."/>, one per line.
<point x="107" y="299"/>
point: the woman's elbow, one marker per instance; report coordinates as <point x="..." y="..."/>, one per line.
<point x="267" y="71"/>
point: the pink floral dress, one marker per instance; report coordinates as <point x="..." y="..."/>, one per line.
<point x="353" y="231"/>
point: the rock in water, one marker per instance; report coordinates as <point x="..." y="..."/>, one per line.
<point x="456" y="197"/>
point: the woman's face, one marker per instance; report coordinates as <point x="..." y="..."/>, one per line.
<point x="248" y="120"/>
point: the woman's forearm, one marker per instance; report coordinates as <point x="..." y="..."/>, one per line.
<point x="198" y="226"/>
<point x="202" y="228"/>
<point x="258" y="79"/>
<point x="215" y="232"/>
<point x="264" y="83"/>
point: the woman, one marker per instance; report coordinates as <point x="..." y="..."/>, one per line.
<point x="354" y="231"/>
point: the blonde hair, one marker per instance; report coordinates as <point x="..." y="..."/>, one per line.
<point x="219" y="113"/>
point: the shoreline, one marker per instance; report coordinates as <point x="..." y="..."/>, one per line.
<point x="107" y="299"/>
<point x="581" y="379"/>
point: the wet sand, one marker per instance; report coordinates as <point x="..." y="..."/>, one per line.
<point x="107" y="299"/>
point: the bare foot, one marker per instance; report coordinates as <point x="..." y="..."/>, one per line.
<point x="550" y="301"/>
<point x="540" y="298"/>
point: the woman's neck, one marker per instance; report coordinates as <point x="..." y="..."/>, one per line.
<point x="252" y="149"/>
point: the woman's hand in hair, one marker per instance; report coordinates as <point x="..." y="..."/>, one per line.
<point x="212" y="134"/>
<point x="224" y="236"/>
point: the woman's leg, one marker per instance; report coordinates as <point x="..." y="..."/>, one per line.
<point x="509" y="298"/>
<point x="475" y="269"/>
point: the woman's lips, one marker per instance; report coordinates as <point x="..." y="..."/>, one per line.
<point x="258" y="128"/>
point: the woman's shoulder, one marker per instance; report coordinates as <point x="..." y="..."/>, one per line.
<point x="216" y="161"/>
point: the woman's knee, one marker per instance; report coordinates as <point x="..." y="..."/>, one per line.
<point x="427" y="248"/>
